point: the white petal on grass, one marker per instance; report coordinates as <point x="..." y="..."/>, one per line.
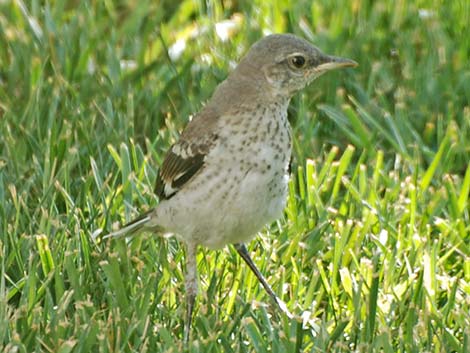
<point x="177" y="49"/>
<point x="225" y="29"/>
<point x="425" y="14"/>
<point x="96" y="233"/>
<point x="127" y="64"/>
<point x="383" y="237"/>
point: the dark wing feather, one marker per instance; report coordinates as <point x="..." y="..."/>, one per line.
<point x="186" y="158"/>
<point x="175" y="172"/>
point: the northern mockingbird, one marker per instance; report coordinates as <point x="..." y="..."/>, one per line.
<point x="227" y="175"/>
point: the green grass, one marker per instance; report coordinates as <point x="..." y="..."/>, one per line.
<point x="373" y="252"/>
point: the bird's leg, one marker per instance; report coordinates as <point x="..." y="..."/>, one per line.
<point x="243" y="252"/>
<point x="191" y="287"/>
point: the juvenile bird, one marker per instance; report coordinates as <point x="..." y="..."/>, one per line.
<point x="227" y="175"/>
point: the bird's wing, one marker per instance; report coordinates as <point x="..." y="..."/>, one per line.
<point x="186" y="157"/>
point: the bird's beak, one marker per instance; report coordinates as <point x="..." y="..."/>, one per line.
<point x="335" y="62"/>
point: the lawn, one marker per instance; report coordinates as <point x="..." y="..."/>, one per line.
<point x="373" y="252"/>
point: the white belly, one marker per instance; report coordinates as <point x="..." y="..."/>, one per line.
<point x="220" y="208"/>
<point x="241" y="187"/>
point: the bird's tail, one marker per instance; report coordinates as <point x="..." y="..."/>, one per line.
<point x="133" y="227"/>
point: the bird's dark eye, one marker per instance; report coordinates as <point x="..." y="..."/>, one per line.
<point x="297" y="61"/>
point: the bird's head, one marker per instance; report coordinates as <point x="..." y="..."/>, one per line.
<point x="286" y="63"/>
